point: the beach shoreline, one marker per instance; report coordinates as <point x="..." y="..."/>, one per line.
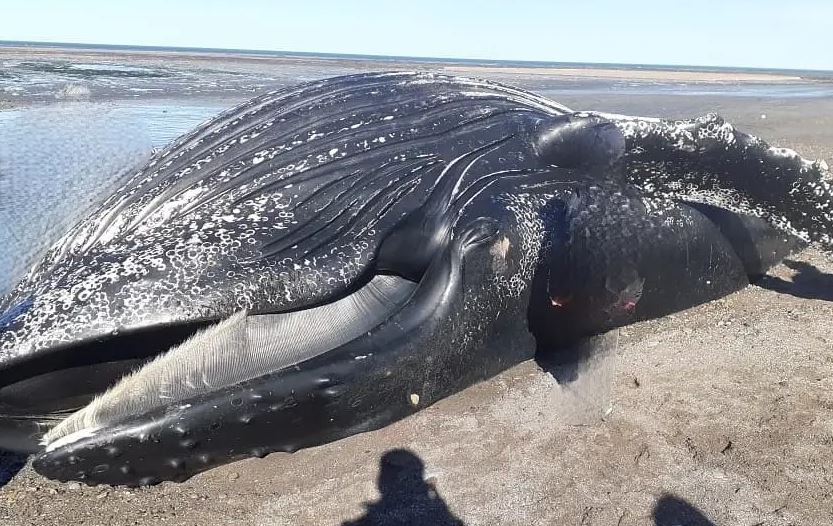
<point x="647" y="72"/>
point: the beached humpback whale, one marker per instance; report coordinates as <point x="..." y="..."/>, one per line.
<point x="325" y="259"/>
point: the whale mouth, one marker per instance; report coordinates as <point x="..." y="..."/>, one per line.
<point x="40" y="390"/>
<point x="252" y="384"/>
<point x="231" y="351"/>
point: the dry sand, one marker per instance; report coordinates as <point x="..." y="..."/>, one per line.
<point x="722" y="414"/>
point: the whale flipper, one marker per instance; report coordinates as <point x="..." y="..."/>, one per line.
<point x="390" y="372"/>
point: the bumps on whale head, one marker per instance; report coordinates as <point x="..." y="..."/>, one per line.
<point x="569" y="141"/>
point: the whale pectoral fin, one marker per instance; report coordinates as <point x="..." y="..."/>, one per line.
<point x="707" y="160"/>
<point x="578" y="141"/>
<point x="431" y="347"/>
<point x="238" y="349"/>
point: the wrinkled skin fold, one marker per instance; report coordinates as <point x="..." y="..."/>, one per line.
<point x="329" y="258"/>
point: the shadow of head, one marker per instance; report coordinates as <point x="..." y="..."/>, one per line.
<point x="674" y="511"/>
<point x="401" y="472"/>
<point x="406" y="498"/>
<point x="808" y="282"/>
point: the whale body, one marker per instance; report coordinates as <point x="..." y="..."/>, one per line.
<point x="328" y="258"/>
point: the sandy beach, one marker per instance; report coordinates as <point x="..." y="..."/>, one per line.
<point x="719" y="415"/>
<point x="627" y="74"/>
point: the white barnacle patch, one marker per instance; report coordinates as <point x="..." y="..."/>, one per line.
<point x="499" y="250"/>
<point x="526" y="209"/>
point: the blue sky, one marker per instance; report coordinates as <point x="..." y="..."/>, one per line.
<point x="761" y="33"/>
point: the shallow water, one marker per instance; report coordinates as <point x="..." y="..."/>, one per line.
<point x="58" y="160"/>
<point x="165" y="120"/>
<point x="160" y="120"/>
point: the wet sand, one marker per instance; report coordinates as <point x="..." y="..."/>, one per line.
<point x="717" y="415"/>
<point x="629" y="74"/>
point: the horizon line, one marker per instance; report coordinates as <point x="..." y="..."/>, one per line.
<point x="422" y="59"/>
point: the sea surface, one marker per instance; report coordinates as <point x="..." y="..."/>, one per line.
<point x="75" y="119"/>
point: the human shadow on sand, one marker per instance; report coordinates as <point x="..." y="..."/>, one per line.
<point x="674" y="511"/>
<point x="406" y="497"/>
<point x="808" y="282"/>
<point x="10" y="464"/>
